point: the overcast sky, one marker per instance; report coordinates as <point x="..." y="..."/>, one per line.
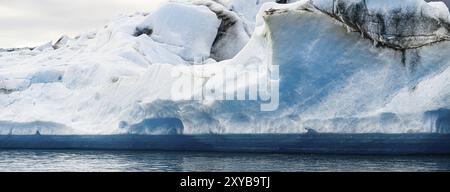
<point x="34" y="22"/>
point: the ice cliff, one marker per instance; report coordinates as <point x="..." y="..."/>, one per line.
<point x="345" y="66"/>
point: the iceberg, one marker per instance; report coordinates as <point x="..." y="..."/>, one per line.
<point x="332" y="66"/>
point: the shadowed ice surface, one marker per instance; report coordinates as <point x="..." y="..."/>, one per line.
<point x="31" y="160"/>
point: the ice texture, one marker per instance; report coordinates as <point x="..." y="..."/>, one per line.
<point x="345" y="66"/>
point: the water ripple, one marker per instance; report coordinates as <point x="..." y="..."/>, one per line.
<point x="106" y="161"/>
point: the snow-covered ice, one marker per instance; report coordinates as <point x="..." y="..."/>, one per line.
<point x="345" y="66"/>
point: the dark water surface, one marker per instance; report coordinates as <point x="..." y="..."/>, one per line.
<point x="73" y="160"/>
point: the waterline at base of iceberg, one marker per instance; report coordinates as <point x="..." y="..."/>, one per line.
<point x="309" y="143"/>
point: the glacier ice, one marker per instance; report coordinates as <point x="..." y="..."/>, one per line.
<point x="346" y="66"/>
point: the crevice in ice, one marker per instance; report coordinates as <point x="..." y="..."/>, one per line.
<point x="141" y="31"/>
<point x="225" y="25"/>
<point x="411" y="58"/>
<point x="282" y="1"/>
<point x="439" y="120"/>
<point x="233" y="33"/>
<point x="160" y="126"/>
<point x="6" y="91"/>
<point x="16" y="49"/>
<point x="61" y="42"/>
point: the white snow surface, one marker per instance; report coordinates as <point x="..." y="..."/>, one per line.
<point x="116" y="81"/>
<point x="187" y="30"/>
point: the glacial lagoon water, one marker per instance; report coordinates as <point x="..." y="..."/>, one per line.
<point x="106" y="161"/>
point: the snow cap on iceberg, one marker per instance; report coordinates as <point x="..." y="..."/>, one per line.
<point x="188" y="30"/>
